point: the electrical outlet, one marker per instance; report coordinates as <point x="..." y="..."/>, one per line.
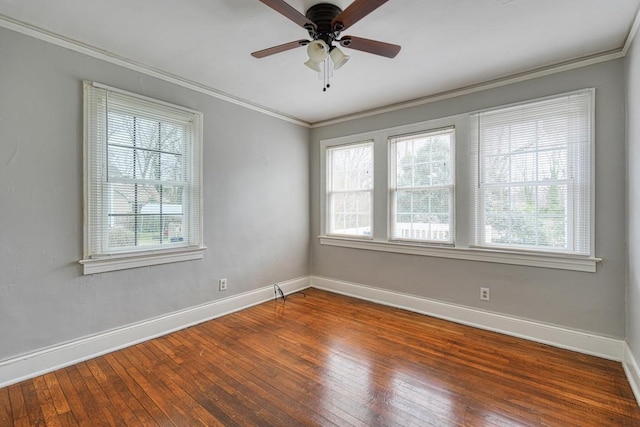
<point x="484" y="294"/>
<point x="222" y="284"/>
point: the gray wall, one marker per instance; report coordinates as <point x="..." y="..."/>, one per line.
<point x="593" y="302"/>
<point x="256" y="183"/>
<point x="633" y="197"/>
<point x="256" y="203"/>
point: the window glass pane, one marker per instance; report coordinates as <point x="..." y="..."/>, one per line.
<point x="422" y="176"/>
<point x="120" y="128"/>
<point x="121" y="232"/>
<point x="133" y="163"/>
<point x="143" y="215"/>
<point x="351" y="213"/>
<point x="441" y="160"/>
<point x="523" y="167"/>
<point x="171" y="167"/>
<point x="423" y="215"/>
<point x="120" y="162"/>
<point x="553" y="165"/>
<point x="554" y="229"/>
<point x="527" y="215"/>
<point x="352" y="168"/>
<point x="404" y="156"/>
<point x="172" y="138"/>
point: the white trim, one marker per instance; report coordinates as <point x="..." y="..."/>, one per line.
<point x="39" y="362"/>
<point x="632" y="371"/>
<point x="491" y="84"/>
<point x="545" y="260"/>
<point x="595" y="345"/>
<point x="393" y="190"/>
<point x="581" y="209"/>
<point x="114" y="263"/>
<point x="76" y="46"/>
<point x="632" y="34"/>
<point x="50" y="359"/>
<point x="94" y="52"/>
<point x="137" y="96"/>
<point x="98" y="105"/>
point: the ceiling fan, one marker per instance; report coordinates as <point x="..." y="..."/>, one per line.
<point x="324" y="22"/>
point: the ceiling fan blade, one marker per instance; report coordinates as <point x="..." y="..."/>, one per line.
<point x="371" y="46"/>
<point x="355" y="12"/>
<point x="280" y="48"/>
<point x="290" y="12"/>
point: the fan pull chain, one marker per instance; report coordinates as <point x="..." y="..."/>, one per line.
<point x="326" y="82"/>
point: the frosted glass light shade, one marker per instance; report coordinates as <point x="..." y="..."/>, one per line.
<point x="338" y="58"/>
<point x="317" y="51"/>
<point x="315" y="66"/>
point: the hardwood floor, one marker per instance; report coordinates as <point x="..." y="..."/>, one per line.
<point x="326" y="359"/>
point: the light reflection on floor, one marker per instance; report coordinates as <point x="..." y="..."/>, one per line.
<point x="374" y="391"/>
<point x="369" y="389"/>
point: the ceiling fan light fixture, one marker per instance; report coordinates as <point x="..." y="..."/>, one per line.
<point x="338" y="58"/>
<point x="324" y="22"/>
<point x="317" y="51"/>
<point x="315" y="66"/>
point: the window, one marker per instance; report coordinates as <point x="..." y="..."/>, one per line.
<point x="350" y="189"/>
<point x="534" y="176"/>
<point x="142" y="181"/>
<point x="511" y="185"/>
<point x="421" y="187"/>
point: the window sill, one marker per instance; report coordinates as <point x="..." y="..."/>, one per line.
<point x="546" y="260"/>
<point x="142" y="259"/>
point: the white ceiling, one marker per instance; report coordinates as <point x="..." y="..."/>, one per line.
<point x="446" y="44"/>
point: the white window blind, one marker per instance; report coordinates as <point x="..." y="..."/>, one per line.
<point x="350" y="190"/>
<point x="421" y="184"/>
<point x="142" y="174"/>
<point x="533" y="175"/>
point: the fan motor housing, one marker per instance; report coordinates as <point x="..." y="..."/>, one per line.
<point x="322" y="14"/>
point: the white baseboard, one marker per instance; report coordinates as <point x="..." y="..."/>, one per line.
<point x="605" y="347"/>
<point x="630" y="366"/>
<point x="49" y="359"/>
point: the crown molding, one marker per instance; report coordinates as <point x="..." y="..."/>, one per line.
<point x="77" y="46"/>
<point x="516" y="78"/>
<point x="94" y="52"/>
<point x="491" y="84"/>
<point x="632" y="33"/>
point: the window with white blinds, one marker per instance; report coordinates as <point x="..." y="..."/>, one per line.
<point x="142" y="174"/>
<point x="533" y="177"/>
<point x="350" y="190"/>
<point x="421" y="182"/>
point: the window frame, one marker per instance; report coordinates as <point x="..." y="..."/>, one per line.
<point x="464" y="216"/>
<point x="571" y="215"/>
<point x="329" y="190"/>
<point x="393" y="188"/>
<point x="95" y="258"/>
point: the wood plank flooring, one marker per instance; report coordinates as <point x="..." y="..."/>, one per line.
<point x="326" y="359"/>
